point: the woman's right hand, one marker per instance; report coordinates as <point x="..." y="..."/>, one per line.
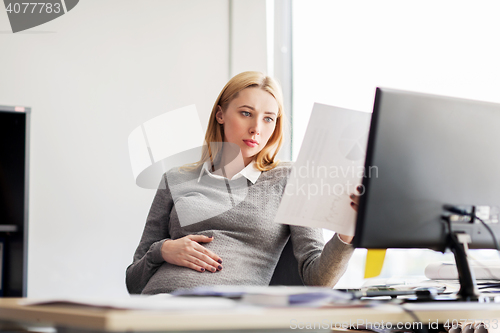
<point x="187" y="252"/>
<point x="355" y="197"/>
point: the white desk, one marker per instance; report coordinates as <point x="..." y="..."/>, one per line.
<point x="82" y="319"/>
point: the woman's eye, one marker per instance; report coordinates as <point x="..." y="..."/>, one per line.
<point x="245" y="113"/>
<point x="269" y="119"/>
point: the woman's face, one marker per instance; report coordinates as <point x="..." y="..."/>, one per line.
<point x="249" y="121"/>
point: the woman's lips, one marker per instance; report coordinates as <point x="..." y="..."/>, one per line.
<point x="251" y="143"/>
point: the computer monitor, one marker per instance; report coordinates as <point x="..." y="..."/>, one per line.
<point x="14" y="195"/>
<point x="425" y="152"/>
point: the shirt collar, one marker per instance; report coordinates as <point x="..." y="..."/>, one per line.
<point x="250" y="172"/>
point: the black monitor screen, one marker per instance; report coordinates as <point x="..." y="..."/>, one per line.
<point x="14" y="153"/>
<point x="429" y="151"/>
<point x="12" y="167"/>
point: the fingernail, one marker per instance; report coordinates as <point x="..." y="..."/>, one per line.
<point x="352" y="203"/>
<point x="210" y="236"/>
<point x="213" y="269"/>
<point x="219" y="261"/>
<point x="220" y="267"/>
<point x="202" y="269"/>
<point x="359" y="188"/>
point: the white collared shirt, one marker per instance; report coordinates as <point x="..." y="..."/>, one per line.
<point x="250" y="172"/>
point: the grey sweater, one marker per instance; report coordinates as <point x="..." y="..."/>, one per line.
<point x="239" y="215"/>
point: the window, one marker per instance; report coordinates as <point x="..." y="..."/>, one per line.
<point x="343" y="50"/>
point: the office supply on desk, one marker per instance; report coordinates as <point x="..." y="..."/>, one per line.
<point x="434" y="154"/>
<point x="211" y="298"/>
<point x="328" y="169"/>
<point x="412" y="288"/>
<point x="483" y="270"/>
<point x="160" y="302"/>
<point x="271" y="296"/>
<point x="374" y="262"/>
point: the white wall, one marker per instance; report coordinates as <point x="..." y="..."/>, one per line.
<point x="248" y="36"/>
<point x="91" y="77"/>
<point x="259" y="40"/>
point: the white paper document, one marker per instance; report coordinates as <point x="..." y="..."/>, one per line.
<point x="328" y="169"/>
<point x="483" y="270"/>
<point x="271" y="295"/>
<point x="213" y="298"/>
<point x="161" y="302"/>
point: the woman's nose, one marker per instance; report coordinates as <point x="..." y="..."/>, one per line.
<point x="255" y="128"/>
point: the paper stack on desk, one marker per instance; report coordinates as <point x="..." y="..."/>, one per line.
<point x="160" y="302"/>
<point x="483" y="270"/>
<point x="272" y="295"/>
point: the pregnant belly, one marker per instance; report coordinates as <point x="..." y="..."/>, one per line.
<point x="241" y="266"/>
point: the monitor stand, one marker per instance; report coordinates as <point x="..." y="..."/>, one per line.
<point x="458" y="244"/>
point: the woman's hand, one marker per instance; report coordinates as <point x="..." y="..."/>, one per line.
<point x="354" y="205"/>
<point x="187" y="252"/>
<point x="346" y="239"/>
<point x="355" y="198"/>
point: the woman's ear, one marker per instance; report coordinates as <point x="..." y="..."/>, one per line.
<point x="219" y="116"/>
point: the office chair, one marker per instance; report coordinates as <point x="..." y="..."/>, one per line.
<point x="286" y="272"/>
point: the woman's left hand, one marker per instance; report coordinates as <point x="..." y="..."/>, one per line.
<point x="346" y="239"/>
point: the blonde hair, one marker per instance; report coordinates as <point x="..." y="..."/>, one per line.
<point x="266" y="159"/>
